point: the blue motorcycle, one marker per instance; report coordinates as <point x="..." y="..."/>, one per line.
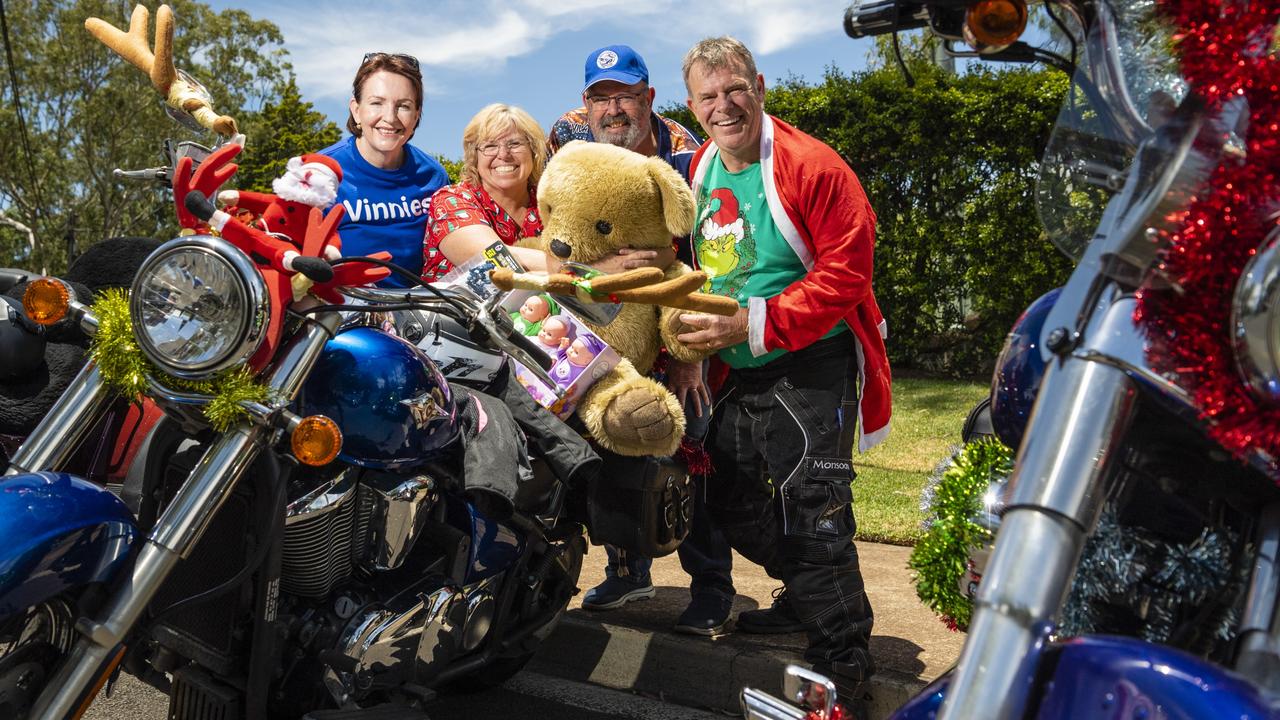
<point x="1134" y="573"/>
<point x="242" y="572"/>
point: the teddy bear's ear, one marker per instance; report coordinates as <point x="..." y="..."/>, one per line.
<point x="677" y="199"/>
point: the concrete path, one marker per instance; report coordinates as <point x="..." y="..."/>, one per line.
<point x="633" y="648"/>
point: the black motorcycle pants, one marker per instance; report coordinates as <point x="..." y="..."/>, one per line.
<point x="781" y="442"/>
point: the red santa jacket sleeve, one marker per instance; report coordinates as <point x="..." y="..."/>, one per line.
<point x="833" y="214"/>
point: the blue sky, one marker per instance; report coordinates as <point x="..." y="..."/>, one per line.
<point x="531" y="52"/>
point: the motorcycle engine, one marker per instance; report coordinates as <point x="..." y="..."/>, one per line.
<point x="353" y="521"/>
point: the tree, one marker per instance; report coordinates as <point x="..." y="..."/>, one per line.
<point x="453" y="167"/>
<point x="77" y="111"/>
<point x="283" y="129"/>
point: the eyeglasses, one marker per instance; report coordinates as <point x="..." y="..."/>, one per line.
<point x="626" y="101"/>
<point x="399" y="56"/>
<point x="512" y="146"/>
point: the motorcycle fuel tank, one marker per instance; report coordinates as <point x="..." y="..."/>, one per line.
<point x="1118" y="678"/>
<point x="394" y="407"/>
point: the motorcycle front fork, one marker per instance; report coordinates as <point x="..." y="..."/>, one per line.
<point x="70" y="691"/>
<point x="1057" y="490"/>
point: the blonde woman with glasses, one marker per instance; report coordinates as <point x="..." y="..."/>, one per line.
<point x="504" y="152"/>
<point x="387" y="184"/>
<point x="503" y="155"/>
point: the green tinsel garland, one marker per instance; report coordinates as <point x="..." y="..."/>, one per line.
<point x="125" y="369"/>
<point x="939" y="559"/>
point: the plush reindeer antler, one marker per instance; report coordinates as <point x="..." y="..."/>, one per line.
<point x="322" y="232"/>
<point x="643" y="285"/>
<point x="216" y="170"/>
<point x="158" y="65"/>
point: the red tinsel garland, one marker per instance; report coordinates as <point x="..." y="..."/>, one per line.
<point x="1226" y="50"/>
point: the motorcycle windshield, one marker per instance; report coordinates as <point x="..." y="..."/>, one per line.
<point x="1127" y="85"/>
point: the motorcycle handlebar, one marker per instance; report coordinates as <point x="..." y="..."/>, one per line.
<point x="528" y="351"/>
<point x="487" y="321"/>
<point x="157" y="174"/>
<point x="876" y="17"/>
<point x="10" y="277"/>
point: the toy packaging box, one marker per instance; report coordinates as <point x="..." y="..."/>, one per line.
<point x="474" y="273"/>
<point x="578" y="356"/>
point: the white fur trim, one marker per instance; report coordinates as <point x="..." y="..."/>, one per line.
<point x="218" y="220"/>
<point x="756" y="313"/>
<point x="779" y="213"/>
<point x="866" y="440"/>
<point x="870" y="440"/>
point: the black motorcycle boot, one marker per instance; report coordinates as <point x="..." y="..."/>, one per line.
<point x="778" y="618"/>
<point x="707" y="615"/>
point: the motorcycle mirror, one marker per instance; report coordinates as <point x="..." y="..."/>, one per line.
<point x="21" y="351"/>
<point x="809" y="690"/>
<point x="594" y="313"/>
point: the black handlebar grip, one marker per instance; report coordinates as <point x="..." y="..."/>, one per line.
<point x="867" y="18"/>
<point x="199" y="205"/>
<point x="313" y="268"/>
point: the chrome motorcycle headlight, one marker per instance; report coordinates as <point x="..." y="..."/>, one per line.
<point x="199" y="305"/>
<point x="1255" y="321"/>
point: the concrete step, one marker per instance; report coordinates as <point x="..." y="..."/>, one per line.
<point x="633" y="647"/>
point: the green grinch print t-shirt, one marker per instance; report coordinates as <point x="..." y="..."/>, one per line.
<point x="741" y="249"/>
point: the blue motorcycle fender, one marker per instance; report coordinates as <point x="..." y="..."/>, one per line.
<point x="58" y="532"/>
<point x="1118" y="677"/>
<point x="494" y="546"/>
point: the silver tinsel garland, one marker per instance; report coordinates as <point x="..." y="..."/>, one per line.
<point x="1131" y="581"/>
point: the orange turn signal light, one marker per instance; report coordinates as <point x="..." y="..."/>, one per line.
<point x="46" y="301"/>
<point x="995" y="23"/>
<point x="316" y="440"/>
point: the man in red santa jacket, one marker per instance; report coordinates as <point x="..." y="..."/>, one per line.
<point x="784" y="227"/>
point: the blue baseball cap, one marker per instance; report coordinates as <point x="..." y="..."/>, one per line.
<point x="615" y="62"/>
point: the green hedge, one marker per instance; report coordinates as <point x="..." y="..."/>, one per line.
<point x="950" y="167"/>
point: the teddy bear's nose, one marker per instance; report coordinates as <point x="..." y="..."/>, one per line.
<point x="561" y="249"/>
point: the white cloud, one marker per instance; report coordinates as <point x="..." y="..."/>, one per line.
<point x="462" y="41"/>
<point x="767" y="26"/>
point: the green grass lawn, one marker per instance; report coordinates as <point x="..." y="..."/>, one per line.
<point x="927" y="417"/>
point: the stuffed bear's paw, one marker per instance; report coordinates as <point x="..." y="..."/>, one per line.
<point x="672" y="326"/>
<point x="642" y="417"/>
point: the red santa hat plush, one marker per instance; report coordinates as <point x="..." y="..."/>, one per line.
<point x="311" y="179"/>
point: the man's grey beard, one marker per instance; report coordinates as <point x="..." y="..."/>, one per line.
<point x="628" y="139"/>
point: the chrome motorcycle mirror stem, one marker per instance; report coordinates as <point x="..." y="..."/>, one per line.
<point x="179" y="528"/>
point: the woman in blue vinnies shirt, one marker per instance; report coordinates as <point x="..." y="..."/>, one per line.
<point x="386" y="183"/>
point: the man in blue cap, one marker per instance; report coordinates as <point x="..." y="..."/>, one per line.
<point x="618" y="109"/>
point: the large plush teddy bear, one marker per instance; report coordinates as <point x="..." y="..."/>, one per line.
<point x="596" y="198"/>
